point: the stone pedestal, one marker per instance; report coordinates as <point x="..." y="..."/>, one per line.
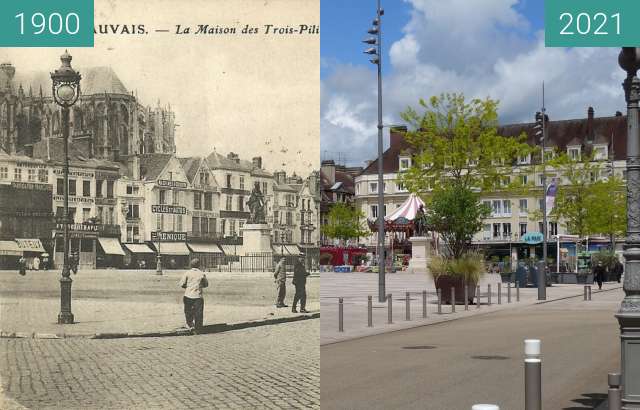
<point x="256" y="239"/>
<point x="420" y="255"/>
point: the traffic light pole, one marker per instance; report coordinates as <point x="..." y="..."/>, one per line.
<point x="542" y="270"/>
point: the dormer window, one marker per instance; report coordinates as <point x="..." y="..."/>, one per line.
<point x="574" y="153"/>
<point x="600" y="152"/>
<point x="524" y="159"/>
<point x="373" y="187"/>
<point x="548" y="154"/>
<point x="405" y="163"/>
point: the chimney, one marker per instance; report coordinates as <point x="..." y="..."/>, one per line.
<point x="328" y="168"/>
<point x="618" y="114"/>
<point x="590" y="132"/>
<point x="257" y="162"/>
<point x="396" y="135"/>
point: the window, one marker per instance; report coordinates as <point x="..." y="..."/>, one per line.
<point x="208" y="201"/>
<point x="229" y="201"/>
<point x="289" y="218"/>
<point x="99" y="214"/>
<point x="179" y="223"/>
<point x="110" y="216"/>
<point x="524" y="179"/>
<point x="574" y="153"/>
<point x="204" y="226"/>
<point x="228" y="180"/>
<point x="593" y="176"/>
<point x="86" y="214"/>
<point x="133" y="211"/>
<point x="136" y="191"/>
<point x="404" y="164"/>
<point x="600" y="153"/>
<point x="176" y="198"/>
<point x="374" y="211"/>
<point x="223" y="226"/>
<point x="240" y="203"/>
<point x="241" y="182"/>
<point x="523" y="229"/>
<point x="496" y="230"/>
<point x="129" y="189"/>
<point x="86" y="188"/>
<point x="524" y="159"/>
<point x="264" y="188"/>
<point x="486" y="231"/>
<point x="109" y="189"/>
<point x="540" y="182"/>
<point x="401" y="187"/>
<point x="232" y="227"/>
<point x="212" y="225"/>
<point x="506" y="230"/>
<point x="4" y="173"/>
<point x="72" y="187"/>
<point x="548" y="154"/>
<point x="540" y="227"/>
<point x="275" y="217"/>
<point x="60" y="186"/>
<point x="497" y="208"/>
<point x="72" y="214"/>
<point x="162" y="197"/>
<point x="195" y="224"/>
<point x="487" y="204"/>
<point x="197" y="200"/>
<point x="506" y="207"/>
<point x="17" y="174"/>
<point x="373" y="187"/>
<point x="99" y="188"/>
<point x="553" y="228"/>
<point x="59" y="212"/>
<point x="31" y="175"/>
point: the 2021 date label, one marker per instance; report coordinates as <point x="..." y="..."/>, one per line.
<point x="46" y="23"/>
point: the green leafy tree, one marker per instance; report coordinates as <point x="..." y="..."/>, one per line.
<point x="457" y="214"/>
<point x="344" y="223"/>
<point x="608" y="209"/>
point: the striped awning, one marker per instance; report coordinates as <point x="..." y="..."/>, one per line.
<point x="30" y="245"/>
<point x="138" y="248"/>
<point x="173" y="248"/>
<point x="9" y="248"/>
<point x="231" y="249"/>
<point x="287" y="249"/>
<point x="111" y="246"/>
<point x="204" y="248"/>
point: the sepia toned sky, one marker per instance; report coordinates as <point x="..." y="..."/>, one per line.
<point x="250" y="94"/>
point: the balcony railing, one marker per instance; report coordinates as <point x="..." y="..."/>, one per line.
<point x="203" y="235"/>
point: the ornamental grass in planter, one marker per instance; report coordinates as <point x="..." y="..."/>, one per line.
<point x="457" y="273"/>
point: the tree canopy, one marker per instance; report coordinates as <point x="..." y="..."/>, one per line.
<point x="344" y="222"/>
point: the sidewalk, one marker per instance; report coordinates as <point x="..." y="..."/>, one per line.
<point x="355" y="287"/>
<point x="111" y="303"/>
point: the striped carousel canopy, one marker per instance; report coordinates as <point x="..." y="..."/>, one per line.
<point x="407" y="211"/>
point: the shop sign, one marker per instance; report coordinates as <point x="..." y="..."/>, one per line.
<point x="31" y="186"/>
<point x="171" y="184"/>
<point x="106" y="201"/>
<point x="80" y="199"/>
<point x="79" y="230"/>
<point x="533" y="238"/>
<point x="168" y="209"/>
<point x="106" y="175"/>
<point x="168" y="236"/>
<point x="79" y="173"/>
<point x="30" y="165"/>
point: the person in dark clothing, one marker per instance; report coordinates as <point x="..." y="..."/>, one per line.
<point x="618" y="269"/>
<point x="300" y="282"/>
<point x="22" y="266"/>
<point x="598" y="273"/>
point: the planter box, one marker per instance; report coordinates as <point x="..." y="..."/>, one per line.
<point x="568" y="278"/>
<point x="585" y="279"/>
<point x="445" y="283"/>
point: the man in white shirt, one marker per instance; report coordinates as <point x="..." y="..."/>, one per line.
<point x="193" y="281"/>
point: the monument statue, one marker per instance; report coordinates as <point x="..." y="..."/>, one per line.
<point x="256" y="206"/>
<point x="419" y="222"/>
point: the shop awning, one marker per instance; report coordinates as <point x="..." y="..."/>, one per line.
<point x="173" y="248"/>
<point x="204" y="248"/>
<point x="10" y="248"/>
<point x="138" y="248"/>
<point x="230" y="249"/>
<point x="30" y="245"/>
<point x="111" y="246"/>
<point x="288" y="249"/>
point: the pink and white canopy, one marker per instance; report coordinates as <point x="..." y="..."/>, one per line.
<point x="407" y="210"/>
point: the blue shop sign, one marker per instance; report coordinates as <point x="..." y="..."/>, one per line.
<point x="533" y="238"/>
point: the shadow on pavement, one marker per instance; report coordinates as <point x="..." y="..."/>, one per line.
<point x="588" y="401"/>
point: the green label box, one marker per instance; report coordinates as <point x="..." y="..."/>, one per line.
<point x="592" y="23"/>
<point x="46" y="23"/>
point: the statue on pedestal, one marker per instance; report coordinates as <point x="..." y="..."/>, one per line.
<point x="256" y="206"/>
<point x="419" y="222"/>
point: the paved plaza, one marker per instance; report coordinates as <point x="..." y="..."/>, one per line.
<point x="355" y="287"/>
<point x="137" y="302"/>
<point x="274" y="367"/>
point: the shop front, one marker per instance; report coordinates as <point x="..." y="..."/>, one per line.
<point x="175" y="255"/>
<point x="10" y="253"/>
<point x="33" y="251"/>
<point x="109" y="253"/>
<point x="139" y="256"/>
<point x="209" y="254"/>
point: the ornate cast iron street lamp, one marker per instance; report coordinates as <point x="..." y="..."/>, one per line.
<point x="66" y="90"/>
<point x="629" y="314"/>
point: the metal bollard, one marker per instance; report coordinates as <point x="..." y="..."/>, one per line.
<point x="585" y="293"/>
<point x="485" y="407"/>
<point x="478" y="297"/>
<point x="439" y="301"/>
<point x="615" y="393"/>
<point x="489" y="294"/>
<point x="509" y="292"/>
<point x="424" y="303"/>
<point x="532" y="375"/>
<point x="453" y="300"/>
<point x="369" y="312"/>
<point x="466" y="297"/>
<point x="389" y="309"/>
<point x="517" y="291"/>
<point x="340" y="315"/>
<point x="499" y="293"/>
<point x="408" y="307"/>
<point x="589" y="292"/>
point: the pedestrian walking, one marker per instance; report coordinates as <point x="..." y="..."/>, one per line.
<point x="22" y="266"/>
<point x="36" y="263"/>
<point x="74" y="261"/>
<point x="45" y="261"/>
<point x="300" y="282"/>
<point x="618" y="269"/>
<point x="598" y="273"/>
<point x="193" y="281"/>
<point x="280" y="277"/>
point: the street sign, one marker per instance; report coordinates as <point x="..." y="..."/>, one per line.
<point x="168" y="236"/>
<point x="533" y="238"/>
<point x="168" y="209"/>
<point x="171" y="184"/>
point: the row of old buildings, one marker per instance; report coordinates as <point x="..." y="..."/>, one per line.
<point x="513" y="215"/>
<point x="131" y="197"/>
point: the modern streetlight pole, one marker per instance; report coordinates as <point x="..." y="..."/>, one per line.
<point x="629" y="314"/>
<point x="542" y="269"/>
<point x="376" y="52"/>
<point x="65" y="90"/>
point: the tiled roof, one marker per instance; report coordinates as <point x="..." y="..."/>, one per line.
<point x="190" y="166"/>
<point x="95" y="80"/>
<point x="151" y="165"/>
<point x="219" y="161"/>
<point x="54" y="151"/>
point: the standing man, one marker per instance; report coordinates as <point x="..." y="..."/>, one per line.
<point x="193" y="281"/>
<point x="280" y="276"/>
<point x="598" y="273"/>
<point x="618" y="268"/>
<point x="300" y="282"/>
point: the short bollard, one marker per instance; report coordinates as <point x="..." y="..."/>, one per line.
<point x="340" y="315"/>
<point x="424" y="303"/>
<point x="407" y="307"/>
<point x="485" y="407"/>
<point x="439" y="301"/>
<point x="589" y="293"/>
<point x="489" y="294"/>
<point x="477" y="297"/>
<point x="369" y="312"/>
<point x="517" y="291"/>
<point x="466" y="297"/>
<point x="615" y="394"/>
<point x="453" y="300"/>
<point x="389" y="309"/>
<point x="532" y="375"/>
<point x="509" y="292"/>
<point x="499" y="293"/>
<point x="585" y="293"/>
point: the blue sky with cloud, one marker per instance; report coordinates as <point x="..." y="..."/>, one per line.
<point x="482" y="48"/>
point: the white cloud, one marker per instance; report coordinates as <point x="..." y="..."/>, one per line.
<point x="483" y="49"/>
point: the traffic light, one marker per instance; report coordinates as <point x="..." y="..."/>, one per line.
<point x="539" y="126"/>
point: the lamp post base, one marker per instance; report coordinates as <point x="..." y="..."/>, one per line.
<point x="65" y="317"/>
<point x="629" y="321"/>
